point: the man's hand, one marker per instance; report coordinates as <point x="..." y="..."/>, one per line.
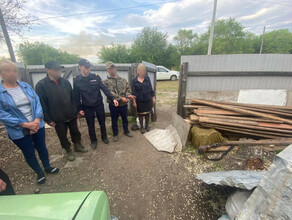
<point x="124" y="100"/>
<point x="131" y="97"/>
<point x="52" y="124"/>
<point x="116" y="103"/>
<point x="134" y="103"/>
<point x="2" y="185"/>
<point x="81" y="113"/>
<point x="154" y="100"/>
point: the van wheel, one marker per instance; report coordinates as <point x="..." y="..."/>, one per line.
<point x="173" y="78"/>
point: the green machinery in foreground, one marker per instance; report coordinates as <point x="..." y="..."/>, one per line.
<point x="74" y="205"/>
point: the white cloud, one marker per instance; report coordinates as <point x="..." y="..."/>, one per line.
<point x="93" y="30"/>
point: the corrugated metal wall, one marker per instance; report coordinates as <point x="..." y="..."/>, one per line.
<point x="37" y="72"/>
<point x="251" y="64"/>
<point x="239" y="62"/>
<point x="221" y="77"/>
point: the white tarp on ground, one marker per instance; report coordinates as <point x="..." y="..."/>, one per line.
<point x="272" y="199"/>
<point x="242" y="179"/>
<point x="235" y="202"/>
<point x="172" y="138"/>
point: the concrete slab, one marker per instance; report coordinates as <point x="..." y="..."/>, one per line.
<point x="161" y="139"/>
<point x="176" y="137"/>
<point x="182" y="127"/>
<point x="74" y="163"/>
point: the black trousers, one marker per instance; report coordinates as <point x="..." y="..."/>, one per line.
<point x="9" y="189"/>
<point x="62" y="128"/>
<point x="115" y="113"/>
<point x="90" y="113"/>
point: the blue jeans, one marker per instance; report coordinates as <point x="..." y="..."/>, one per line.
<point x="29" y="144"/>
<point x="115" y="113"/>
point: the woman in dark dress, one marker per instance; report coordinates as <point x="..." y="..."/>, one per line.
<point x="145" y="97"/>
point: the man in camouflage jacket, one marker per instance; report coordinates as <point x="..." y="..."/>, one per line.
<point x="120" y="89"/>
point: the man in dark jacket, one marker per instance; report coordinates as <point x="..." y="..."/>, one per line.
<point x="120" y="89"/>
<point x="59" y="107"/>
<point x="88" y="96"/>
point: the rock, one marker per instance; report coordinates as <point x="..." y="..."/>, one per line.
<point x="74" y="163"/>
<point x="272" y="199"/>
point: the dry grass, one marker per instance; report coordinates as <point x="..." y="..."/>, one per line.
<point x="167" y="92"/>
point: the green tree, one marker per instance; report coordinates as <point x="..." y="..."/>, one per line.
<point x="38" y="53"/>
<point x="151" y="45"/>
<point x="185" y="40"/>
<point x="278" y="41"/>
<point x="229" y="38"/>
<point x="115" y="53"/>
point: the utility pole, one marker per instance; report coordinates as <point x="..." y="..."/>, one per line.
<point x="262" y="43"/>
<point x="7" y="38"/>
<point x="212" y="28"/>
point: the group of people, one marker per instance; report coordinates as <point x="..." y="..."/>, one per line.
<point x="24" y="111"/>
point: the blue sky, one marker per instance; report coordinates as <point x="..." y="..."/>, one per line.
<point x="85" y="34"/>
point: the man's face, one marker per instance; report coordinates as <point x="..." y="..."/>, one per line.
<point x="84" y="70"/>
<point x="112" y="71"/>
<point x="55" y="73"/>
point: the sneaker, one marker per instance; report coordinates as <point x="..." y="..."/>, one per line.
<point x="41" y="178"/>
<point x="105" y="140"/>
<point x="52" y="170"/>
<point x="116" y="138"/>
<point x="142" y="130"/>
<point x="148" y="129"/>
<point x="94" y="145"/>
<point x="78" y="147"/>
<point x="128" y="134"/>
<point x="70" y="155"/>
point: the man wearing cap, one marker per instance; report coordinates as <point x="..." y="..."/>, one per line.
<point x="59" y="107"/>
<point x="87" y="93"/>
<point x="120" y="89"/>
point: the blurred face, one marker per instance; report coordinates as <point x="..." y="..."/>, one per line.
<point x="141" y="72"/>
<point x="85" y="71"/>
<point x="54" y="73"/>
<point x="9" y="73"/>
<point x="112" y="71"/>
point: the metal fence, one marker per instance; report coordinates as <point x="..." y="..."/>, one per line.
<point x="221" y="77"/>
<point x="34" y="73"/>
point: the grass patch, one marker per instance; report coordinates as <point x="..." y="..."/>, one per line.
<point x="167" y="86"/>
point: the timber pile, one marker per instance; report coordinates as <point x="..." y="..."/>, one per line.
<point x="265" y="121"/>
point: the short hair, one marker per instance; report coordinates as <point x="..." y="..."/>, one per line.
<point x="4" y="63"/>
<point x="142" y="67"/>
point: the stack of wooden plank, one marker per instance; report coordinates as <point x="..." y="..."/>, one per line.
<point x="265" y="121"/>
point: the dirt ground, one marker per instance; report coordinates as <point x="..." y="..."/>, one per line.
<point x="141" y="183"/>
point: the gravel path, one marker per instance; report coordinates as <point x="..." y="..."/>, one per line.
<point x="141" y="183"/>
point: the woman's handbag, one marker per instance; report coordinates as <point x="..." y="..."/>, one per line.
<point x="154" y="113"/>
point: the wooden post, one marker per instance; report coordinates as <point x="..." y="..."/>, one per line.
<point x="7" y="38"/>
<point x="25" y="76"/>
<point x="182" y="90"/>
<point x="131" y="75"/>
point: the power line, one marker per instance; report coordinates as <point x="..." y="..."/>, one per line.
<point x="274" y="3"/>
<point x="103" y="11"/>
